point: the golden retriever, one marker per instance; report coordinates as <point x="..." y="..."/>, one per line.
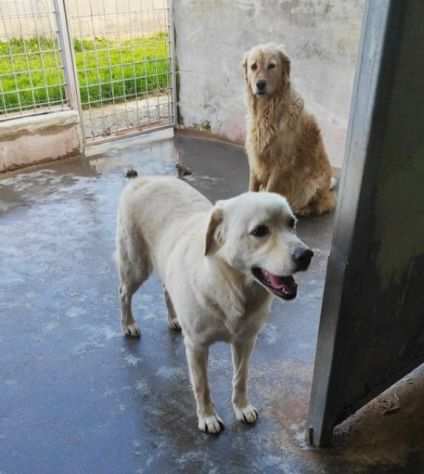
<point x="221" y="265"/>
<point x="284" y="145"/>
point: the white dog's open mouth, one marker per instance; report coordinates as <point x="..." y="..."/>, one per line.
<point x="282" y="286"/>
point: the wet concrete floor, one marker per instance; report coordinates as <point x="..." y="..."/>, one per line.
<point x="77" y="397"/>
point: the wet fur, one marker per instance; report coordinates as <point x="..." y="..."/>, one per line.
<point x="284" y="144"/>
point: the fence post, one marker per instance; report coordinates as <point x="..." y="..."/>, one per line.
<point x="173" y="53"/>
<point x="69" y="65"/>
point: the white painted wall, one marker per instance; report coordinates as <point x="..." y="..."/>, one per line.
<point x="321" y="37"/>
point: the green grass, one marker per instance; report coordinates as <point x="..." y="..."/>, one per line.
<point x="108" y="70"/>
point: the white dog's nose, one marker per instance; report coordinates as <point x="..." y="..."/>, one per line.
<point x="302" y="258"/>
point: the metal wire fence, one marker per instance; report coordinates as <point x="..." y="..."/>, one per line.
<point x="121" y="55"/>
<point x="123" y="59"/>
<point x="31" y="70"/>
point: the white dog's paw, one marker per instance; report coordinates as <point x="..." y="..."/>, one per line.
<point x="131" y="330"/>
<point x="247" y="415"/>
<point x="211" y="424"/>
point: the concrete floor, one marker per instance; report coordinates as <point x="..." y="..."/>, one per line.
<point x="77" y="397"/>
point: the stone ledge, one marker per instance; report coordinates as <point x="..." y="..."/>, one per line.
<point x="27" y="141"/>
<point x="37" y="123"/>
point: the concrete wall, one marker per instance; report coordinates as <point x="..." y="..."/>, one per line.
<point x="31" y="140"/>
<point x="321" y="37"/>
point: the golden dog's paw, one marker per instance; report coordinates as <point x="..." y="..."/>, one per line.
<point x="247" y="415"/>
<point x="211" y="424"/>
<point x="131" y="330"/>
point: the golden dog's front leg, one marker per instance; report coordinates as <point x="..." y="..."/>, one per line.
<point x="254" y="184"/>
<point x="273" y="181"/>
<point x="243" y="410"/>
<point x="209" y="421"/>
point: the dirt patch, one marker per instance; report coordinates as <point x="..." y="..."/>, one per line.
<point x="389" y="428"/>
<point x="387" y="433"/>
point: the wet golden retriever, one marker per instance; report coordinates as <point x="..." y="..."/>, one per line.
<point x="284" y="144"/>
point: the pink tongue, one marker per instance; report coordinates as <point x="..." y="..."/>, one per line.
<point x="276" y="281"/>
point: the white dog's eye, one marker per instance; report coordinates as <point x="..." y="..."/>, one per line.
<point x="260" y="231"/>
<point x="253" y="67"/>
<point x="271" y="65"/>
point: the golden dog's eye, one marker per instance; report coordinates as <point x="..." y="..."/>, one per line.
<point x="260" y="231"/>
<point x="253" y="67"/>
<point x="271" y="66"/>
<point x="291" y="223"/>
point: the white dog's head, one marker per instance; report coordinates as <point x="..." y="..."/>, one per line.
<point x="266" y="70"/>
<point x="255" y="234"/>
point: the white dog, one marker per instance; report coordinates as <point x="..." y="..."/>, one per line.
<point x="220" y="266"/>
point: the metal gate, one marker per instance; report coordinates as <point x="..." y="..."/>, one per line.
<point x="111" y="60"/>
<point x="123" y="61"/>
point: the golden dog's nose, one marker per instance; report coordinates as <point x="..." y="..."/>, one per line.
<point x="260" y="85"/>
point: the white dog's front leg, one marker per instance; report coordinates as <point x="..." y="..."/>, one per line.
<point x="243" y="410"/>
<point x="209" y="421"/>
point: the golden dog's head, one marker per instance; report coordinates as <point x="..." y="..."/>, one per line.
<point x="266" y="70"/>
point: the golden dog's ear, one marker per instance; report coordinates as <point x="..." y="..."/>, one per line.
<point x="213" y="238"/>
<point x="285" y="61"/>
<point x="244" y="66"/>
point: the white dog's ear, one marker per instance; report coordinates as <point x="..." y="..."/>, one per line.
<point x="214" y="231"/>
<point x="285" y="61"/>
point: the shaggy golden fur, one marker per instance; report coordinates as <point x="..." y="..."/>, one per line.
<point x="284" y="144"/>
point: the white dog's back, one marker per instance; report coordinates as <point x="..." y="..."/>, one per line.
<point x="167" y="198"/>
<point x="166" y="206"/>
